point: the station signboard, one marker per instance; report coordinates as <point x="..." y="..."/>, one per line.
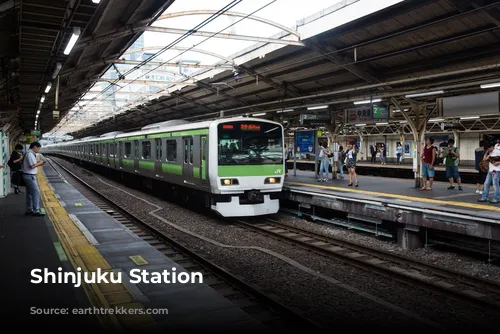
<point x="377" y="112"/>
<point x="315" y="119"/>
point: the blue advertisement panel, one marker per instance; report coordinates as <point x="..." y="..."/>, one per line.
<point x="305" y="142"/>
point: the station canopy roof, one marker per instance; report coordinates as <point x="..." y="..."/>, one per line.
<point x="200" y="58"/>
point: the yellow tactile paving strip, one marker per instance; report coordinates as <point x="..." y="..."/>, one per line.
<point x="400" y="197"/>
<point x="83" y="254"/>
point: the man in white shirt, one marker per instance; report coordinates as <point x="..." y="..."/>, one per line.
<point x="493" y="177"/>
<point x="30" y="169"/>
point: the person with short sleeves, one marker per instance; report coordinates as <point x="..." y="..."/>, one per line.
<point x="30" y="169"/>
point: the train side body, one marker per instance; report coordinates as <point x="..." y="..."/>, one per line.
<point x="237" y="164"/>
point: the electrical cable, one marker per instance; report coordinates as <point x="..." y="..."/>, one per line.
<point x="195" y="45"/>
<point x="184" y="36"/>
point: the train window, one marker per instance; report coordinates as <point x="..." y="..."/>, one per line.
<point x="91" y="149"/>
<point x="186" y="148"/>
<point x="96" y="149"/>
<point x="136" y="149"/>
<point x="204" y="148"/>
<point x="111" y="149"/>
<point x="171" y="150"/>
<point x="146" y="150"/>
<point x="128" y="150"/>
<point x="191" y="150"/>
<point x="158" y="149"/>
<point x="104" y="149"/>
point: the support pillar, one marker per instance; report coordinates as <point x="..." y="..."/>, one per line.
<point x="410" y="237"/>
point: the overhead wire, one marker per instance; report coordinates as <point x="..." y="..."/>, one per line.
<point x="209" y="37"/>
<point x="195" y="45"/>
<point x="178" y="40"/>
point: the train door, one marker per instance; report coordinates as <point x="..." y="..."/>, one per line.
<point x="187" y="164"/>
<point x="203" y="160"/>
<point x="158" y="156"/>
<point x="120" y="155"/>
<point x="137" y="156"/>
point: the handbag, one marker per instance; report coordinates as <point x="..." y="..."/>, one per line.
<point x="484" y="166"/>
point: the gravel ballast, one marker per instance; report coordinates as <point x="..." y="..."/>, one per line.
<point x="322" y="301"/>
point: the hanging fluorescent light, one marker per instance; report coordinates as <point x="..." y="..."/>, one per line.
<point x="360" y="124"/>
<point x="437" y="92"/>
<point x="470" y="117"/>
<point x="56" y="71"/>
<point x="316" y="108"/>
<point x="491" y="85"/>
<point x="436" y="120"/>
<point x="72" y="40"/>
<point x="42" y="99"/>
<point x="96" y="1"/>
<point x="261" y="114"/>
<point x="286" y="110"/>
<point x="368" y="101"/>
<point x="49" y="86"/>
<point x="382" y="123"/>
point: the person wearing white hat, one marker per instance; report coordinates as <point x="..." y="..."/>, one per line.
<point x="493" y="177"/>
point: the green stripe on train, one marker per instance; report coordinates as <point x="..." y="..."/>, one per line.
<point x="147" y="165"/>
<point x="196" y="172"/>
<point x="171" y="169"/>
<point x="203" y="170"/>
<point x="251" y="170"/>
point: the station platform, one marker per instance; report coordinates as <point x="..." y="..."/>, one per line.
<point x="467" y="173"/>
<point x="77" y="234"/>
<point x="397" y="200"/>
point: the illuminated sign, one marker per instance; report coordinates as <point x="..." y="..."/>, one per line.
<point x="227" y="126"/>
<point x="250" y="127"/>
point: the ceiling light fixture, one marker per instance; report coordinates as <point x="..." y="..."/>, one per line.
<point x="368" y="101"/>
<point x="49" y="86"/>
<point x="491" y="85"/>
<point x="72" y="40"/>
<point x="470" y="117"/>
<point x="56" y="71"/>
<point x="437" y="92"/>
<point x="318" y="107"/>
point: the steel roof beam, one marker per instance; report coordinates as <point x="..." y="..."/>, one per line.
<point x="181" y="48"/>
<point x="128" y="31"/>
<point x="228" y="13"/>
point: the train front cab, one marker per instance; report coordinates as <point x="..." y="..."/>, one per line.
<point x="246" y="167"/>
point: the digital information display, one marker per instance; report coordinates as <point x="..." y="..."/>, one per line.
<point x="243" y="127"/>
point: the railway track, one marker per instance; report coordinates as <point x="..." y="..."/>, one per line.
<point x="483" y="293"/>
<point x="266" y="308"/>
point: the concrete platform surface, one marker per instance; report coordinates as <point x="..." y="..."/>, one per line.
<point x="399" y="191"/>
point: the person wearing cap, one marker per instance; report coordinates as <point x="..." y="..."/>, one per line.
<point x="493" y="177"/>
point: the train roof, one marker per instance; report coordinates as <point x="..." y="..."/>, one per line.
<point x="162" y="129"/>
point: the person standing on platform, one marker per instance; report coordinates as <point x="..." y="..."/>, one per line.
<point x="452" y="155"/>
<point x="324" y="154"/>
<point x="492" y="155"/>
<point x="428" y="160"/>
<point x="351" y="164"/>
<point x="373" y="151"/>
<point x="399" y="153"/>
<point x="15" y="166"/>
<point x="341" y="162"/>
<point x="30" y="169"/>
<point x="481" y="176"/>
<point x="383" y="154"/>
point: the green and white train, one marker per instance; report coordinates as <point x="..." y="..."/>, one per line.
<point x="235" y="164"/>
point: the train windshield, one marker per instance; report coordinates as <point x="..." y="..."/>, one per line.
<point x="250" y="143"/>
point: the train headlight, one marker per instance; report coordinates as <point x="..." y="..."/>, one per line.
<point x="228" y="182"/>
<point x="272" y="180"/>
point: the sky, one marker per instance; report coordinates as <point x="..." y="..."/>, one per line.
<point x="285" y="12"/>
